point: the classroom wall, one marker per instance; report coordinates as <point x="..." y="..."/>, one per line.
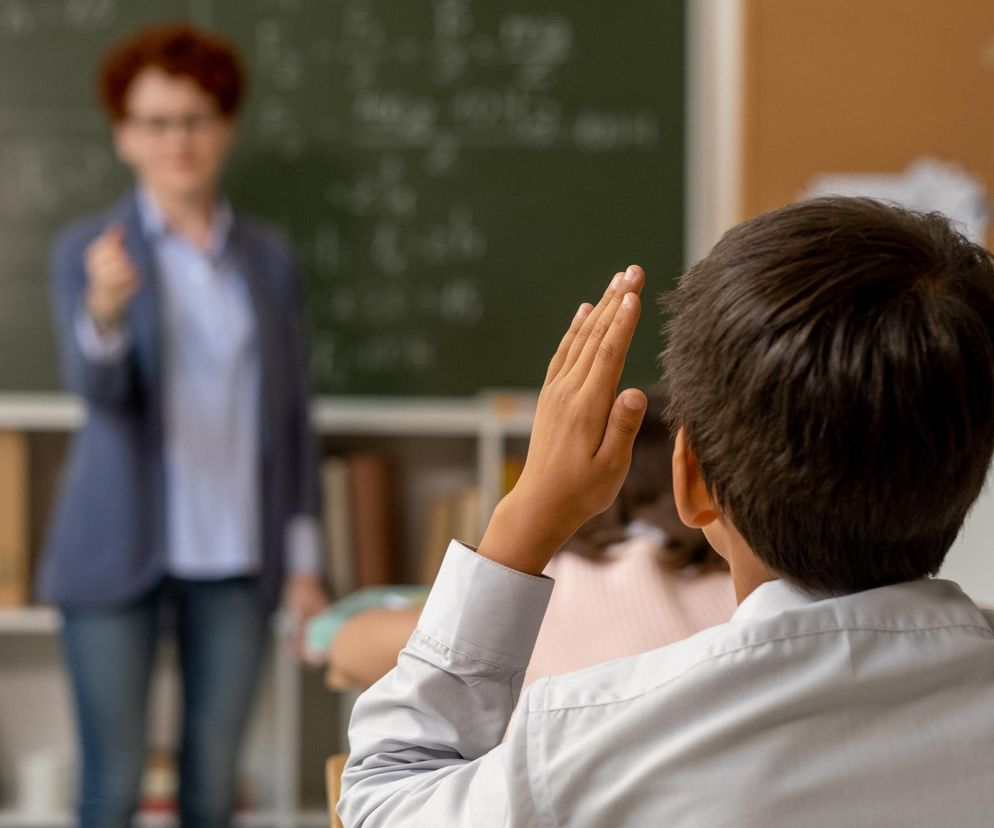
<point x="971" y="560"/>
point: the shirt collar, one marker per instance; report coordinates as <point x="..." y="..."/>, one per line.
<point x="155" y="227"/>
<point x="773" y="597"/>
<point x="152" y="221"/>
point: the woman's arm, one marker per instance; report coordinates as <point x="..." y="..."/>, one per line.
<point x="102" y="377"/>
<point x="305" y="593"/>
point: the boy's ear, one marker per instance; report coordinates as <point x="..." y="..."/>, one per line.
<point x="693" y="500"/>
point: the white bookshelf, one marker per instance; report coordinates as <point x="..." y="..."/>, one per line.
<point x="393" y="416"/>
<point x="478" y="430"/>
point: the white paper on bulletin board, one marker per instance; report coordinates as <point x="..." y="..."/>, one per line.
<point x="926" y="185"/>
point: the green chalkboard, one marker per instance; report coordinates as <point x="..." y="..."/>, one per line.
<point x="456" y="175"/>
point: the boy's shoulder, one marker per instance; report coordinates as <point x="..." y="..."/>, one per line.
<point x="777" y="625"/>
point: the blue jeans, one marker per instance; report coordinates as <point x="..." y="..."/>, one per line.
<point x="221" y="636"/>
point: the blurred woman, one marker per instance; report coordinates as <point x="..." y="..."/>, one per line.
<point x="191" y="488"/>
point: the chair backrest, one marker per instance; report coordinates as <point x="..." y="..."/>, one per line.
<point x="333" y="773"/>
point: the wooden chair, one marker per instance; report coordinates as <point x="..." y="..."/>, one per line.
<point x="333" y="774"/>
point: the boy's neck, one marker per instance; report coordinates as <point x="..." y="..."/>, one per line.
<point x="748" y="572"/>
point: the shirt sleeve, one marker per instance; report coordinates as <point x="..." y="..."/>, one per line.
<point x="426" y="739"/>
<point x="104" y="347"/>
<point x="303" y="545"/>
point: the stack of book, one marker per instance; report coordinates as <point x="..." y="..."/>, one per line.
<point x="459" y="515"/>
<point x="361" y="521"/>
<point x="452" y="515"/>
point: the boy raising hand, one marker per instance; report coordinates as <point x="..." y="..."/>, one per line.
<point x="831" y="371"/>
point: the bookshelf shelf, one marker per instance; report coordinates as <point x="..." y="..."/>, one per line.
<point x="40" y="412"/>
<point x="394" y="416"/>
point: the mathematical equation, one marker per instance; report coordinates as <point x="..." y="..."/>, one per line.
<point x="479" y="89"/>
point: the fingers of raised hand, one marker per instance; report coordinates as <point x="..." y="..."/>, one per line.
<point x="593" y="325"/>
<point x="623" y="424"/>
<point x="606" y="340"/>
<point x="559" y="358"/>
<point x="590" y="323"/>
<point x="605" y="363"/>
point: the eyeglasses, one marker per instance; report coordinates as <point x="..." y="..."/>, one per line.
<point x="158" y="126"/>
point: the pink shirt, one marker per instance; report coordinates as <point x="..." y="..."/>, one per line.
<point x="621" y="604"/>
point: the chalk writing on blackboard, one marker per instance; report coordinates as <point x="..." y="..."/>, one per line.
<point x="418" y="154"/>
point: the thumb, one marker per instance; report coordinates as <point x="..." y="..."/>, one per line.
<point x="114" y="232"/>
<point x="623" y="424"/>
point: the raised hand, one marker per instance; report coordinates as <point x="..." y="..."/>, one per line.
<point x="112" y="278"/>
<point x="581" y="443"/>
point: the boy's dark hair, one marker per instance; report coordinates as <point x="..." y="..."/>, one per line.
<point x="178" y="49"/>
<point x="832" y="363"/>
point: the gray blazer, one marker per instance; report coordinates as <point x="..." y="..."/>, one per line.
<point x="106" y="542"/>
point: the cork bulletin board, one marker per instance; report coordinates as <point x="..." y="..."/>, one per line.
<point x="853" y="86"/>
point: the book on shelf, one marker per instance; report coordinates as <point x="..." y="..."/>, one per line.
<point x="452" y="515"/>
<point x="339" y="550"/>
<point x="15" y="549"/>
<point x="373" y="513"/>
<point x="467" y="528"/>
<point x="360" y="521"/>
<point x="436" y="537"/>
<point x="48" y="453"/>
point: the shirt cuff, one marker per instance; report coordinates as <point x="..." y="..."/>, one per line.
<point x="303" y="545"/>
<point x="484" y="609"/>
<point x="106" y="346"/>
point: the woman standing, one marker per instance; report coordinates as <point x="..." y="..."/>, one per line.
<point x="192" y="486"/>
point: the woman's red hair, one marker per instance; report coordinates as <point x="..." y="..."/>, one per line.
<point x="177" y="49"/>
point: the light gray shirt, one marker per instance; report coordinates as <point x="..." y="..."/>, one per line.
<point x="871" y="709"/>
<point x="211" y="373"/>
<point x="211" y="398"/>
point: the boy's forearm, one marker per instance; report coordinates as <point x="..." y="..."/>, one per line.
<point x="521" y="536"/>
